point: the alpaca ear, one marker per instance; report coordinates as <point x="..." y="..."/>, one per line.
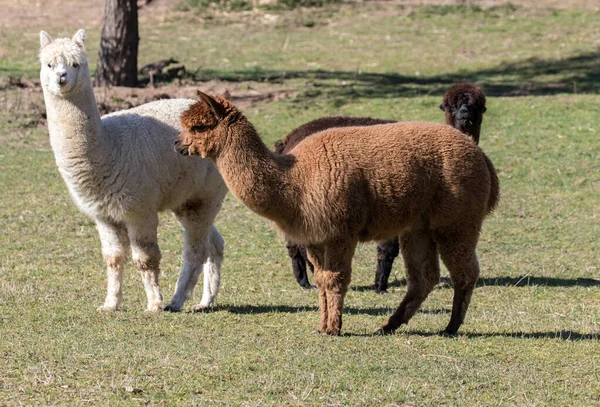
<point x="214" y="106"/>
<point x="226" y="95"/>
<point x="45" y="39"/>
<point x="79" y="38"/>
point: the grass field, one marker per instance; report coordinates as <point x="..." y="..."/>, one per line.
<point x="532" y="333"/>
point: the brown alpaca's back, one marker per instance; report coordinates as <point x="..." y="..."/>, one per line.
<point x="375" y="181"/>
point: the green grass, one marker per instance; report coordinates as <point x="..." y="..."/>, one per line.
<point x="532" y="334"/>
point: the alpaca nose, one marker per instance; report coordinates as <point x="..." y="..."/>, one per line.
<point x="61" y="72"/>
<point x="463" y="111"/>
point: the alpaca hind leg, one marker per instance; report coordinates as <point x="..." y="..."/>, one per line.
<point x="457" y="251"/>
<point x="146" y="257"/>
<point x="115" y="245"/>
<point x="212" y="271"/>
<point x="387" y="251"/>
<point x="420" y="255"/>
<point x="197" y="222"/>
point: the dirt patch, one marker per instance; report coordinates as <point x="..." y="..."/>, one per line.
<point x="27" y="96"/>
<point x="244" y="95"/>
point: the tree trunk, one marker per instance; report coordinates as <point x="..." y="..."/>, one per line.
<point x="117" y="57"/>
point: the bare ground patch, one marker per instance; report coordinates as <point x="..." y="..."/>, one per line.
<point x="24" y="101"/>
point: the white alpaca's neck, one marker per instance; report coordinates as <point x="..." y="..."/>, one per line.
<point x="81" y="149"/>
<point x="75" y="128"/>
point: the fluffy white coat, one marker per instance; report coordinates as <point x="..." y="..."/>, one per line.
<point x="121" y="170"/>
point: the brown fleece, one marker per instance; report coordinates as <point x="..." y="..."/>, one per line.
<point x="427" y="182"/>
<point x="386" y="251"/>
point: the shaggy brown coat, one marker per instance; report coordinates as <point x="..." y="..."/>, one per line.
<point x="426" y="182"/>
<point x="386" y="251"/>
<point x="464" y="106"/>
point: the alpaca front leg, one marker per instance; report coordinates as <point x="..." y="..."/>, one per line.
<point x="337" y="286"/>
<point x="115" y="245"/>
<point x="315" y="255"/>
<point x="299" y="264"/>
<point x="387" y="251"/>
<point x="146" y="257"/>
<point x="332" y="276"/>
<point x="323" y="308"/>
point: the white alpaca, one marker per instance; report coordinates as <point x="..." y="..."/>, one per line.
<point x="121" y="170"/>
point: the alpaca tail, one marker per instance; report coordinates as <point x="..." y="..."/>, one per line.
<point x="495" y="186"/>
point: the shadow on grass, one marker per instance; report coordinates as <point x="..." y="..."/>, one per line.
<point x="563" y="335"/>
<point x="519" y="281"/>
<point x="533" y="76"/>
<point x="268" y="309"/>
<point x="386" y="311"/>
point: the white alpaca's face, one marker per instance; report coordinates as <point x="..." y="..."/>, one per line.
<point x="63" y="63"/>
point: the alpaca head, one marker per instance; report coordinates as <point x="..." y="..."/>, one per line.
<point x="464" y="105"/>
<point x="63" y="63"/>
<point x="205" y="126"/>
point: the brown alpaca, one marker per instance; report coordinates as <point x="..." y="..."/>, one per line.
<point x="426" y="182"/>
<point x="464" y="105"/>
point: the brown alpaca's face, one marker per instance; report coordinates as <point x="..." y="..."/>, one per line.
<point x="198" y="136"/>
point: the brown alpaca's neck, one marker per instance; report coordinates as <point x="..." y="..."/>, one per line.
<point x="255" y="175"/>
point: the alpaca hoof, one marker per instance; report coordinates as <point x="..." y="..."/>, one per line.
<point x="384" y="291"/>
<point x="107" y="308"/>
<point x="326" y="333"/>
<point x="154" y="308"/>
<point x="384" y="330"/>
<point x="172" y="308"/>
<point x="309" y="287"/>
<point x="448" y="333"/>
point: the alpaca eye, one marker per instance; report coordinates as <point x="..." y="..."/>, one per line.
<point x="75" y="65"/>
<point x="49" y="66"/>
<point x="198" y="128"/>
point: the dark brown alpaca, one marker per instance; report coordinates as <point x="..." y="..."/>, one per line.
<point x="426" y="182"/>
<point x="387" y="251"/>
<point x="464" y="105"/>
